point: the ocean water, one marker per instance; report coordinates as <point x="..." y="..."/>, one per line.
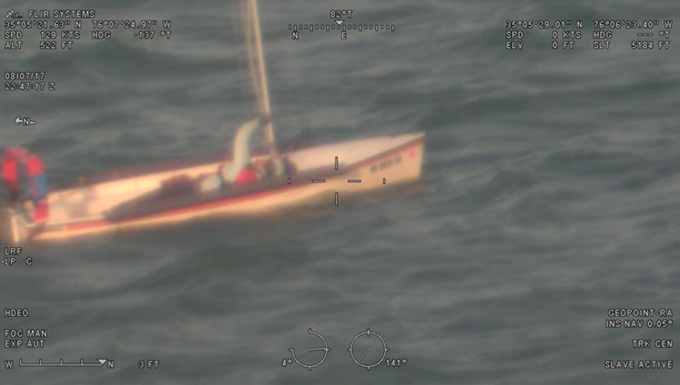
<point x="550" y="194"/>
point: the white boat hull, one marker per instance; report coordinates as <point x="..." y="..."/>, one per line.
<point x="363" y="165"/>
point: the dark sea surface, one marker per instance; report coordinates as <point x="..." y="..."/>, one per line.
<point x="550" y="194"/>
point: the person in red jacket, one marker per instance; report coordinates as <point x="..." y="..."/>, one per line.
<point x="14" y="157"/>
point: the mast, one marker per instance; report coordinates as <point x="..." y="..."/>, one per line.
<point x="262" y="72"/>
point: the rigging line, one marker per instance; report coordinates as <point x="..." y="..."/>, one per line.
<point x="247" y="31"/>
<point x="240" y="84"/>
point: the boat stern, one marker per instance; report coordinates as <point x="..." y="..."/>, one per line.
<point x="5" y="227"/>
<point x="12" y="228"/>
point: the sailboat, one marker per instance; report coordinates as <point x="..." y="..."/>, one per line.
<point x="169" y="195"/>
